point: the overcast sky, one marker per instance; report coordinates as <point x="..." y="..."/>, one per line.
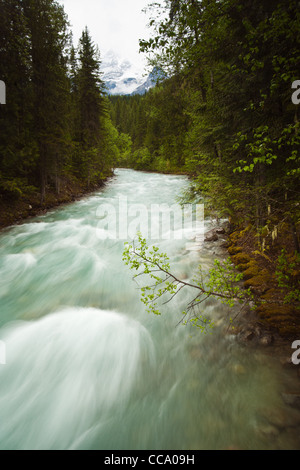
<point x="114" y="24"/>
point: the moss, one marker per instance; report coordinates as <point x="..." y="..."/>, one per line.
<point x="242" y="267"/>
<point x="271" y="294"/>
<point x="262" y="278"/>
<point x="260" y="283"/>
<point x="241" y="258"/>
<point x="251" y="271"/>
<point x="283" y="317"/>
<point x="235" y="236"/>
<point x="233" y="250"/>
<point x="276" y="311"/>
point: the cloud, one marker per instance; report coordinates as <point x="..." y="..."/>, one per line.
<point x="113" y="24"/>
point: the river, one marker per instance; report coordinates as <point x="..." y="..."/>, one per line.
<point x="87" y="368"/>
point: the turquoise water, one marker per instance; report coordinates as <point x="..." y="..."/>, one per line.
<point x="88" y="368"/>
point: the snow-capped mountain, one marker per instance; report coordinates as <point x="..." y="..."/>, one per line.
<point x="122" y="78"/>
<point x="151" y="81"/>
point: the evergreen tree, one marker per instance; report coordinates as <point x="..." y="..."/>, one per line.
<point x="92" y="111"/>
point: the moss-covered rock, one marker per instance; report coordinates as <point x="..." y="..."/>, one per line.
<point x="260" y="283"/>
<point x="233" y="250"/>
<point x="282" y="317"/>
<point x="252" y="270"/>
<point x="271" y="294"/>
<point x="241" y="258"/>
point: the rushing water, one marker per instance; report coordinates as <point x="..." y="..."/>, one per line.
<point x="88" y="368"/>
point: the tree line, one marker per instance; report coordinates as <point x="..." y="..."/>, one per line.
<point x="55" y="125"/>
<point x="225" y="114"/>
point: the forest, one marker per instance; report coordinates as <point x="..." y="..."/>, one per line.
<point x="225" y="112"/>
<point x="56" y="134"/>
<point x="228" y="116"/>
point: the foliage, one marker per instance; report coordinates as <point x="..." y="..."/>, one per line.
<point x="55" y="124"/>
<point x="287" y="275"/>
<point x="221" y="282"/>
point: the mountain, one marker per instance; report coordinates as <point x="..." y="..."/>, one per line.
<point x="151" y="81"/>
<point x="122" y="78"/>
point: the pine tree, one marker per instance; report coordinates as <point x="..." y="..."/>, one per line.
<point x="47" y="24"/>
<point x="92" y="110"/>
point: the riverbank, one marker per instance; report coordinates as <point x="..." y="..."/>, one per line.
<point x="59" y="304"/>
<point x="259" y="267"/>
<point x="263" y="272"/>
<point x="277" y="309"/>
<point x="14" y="211"/>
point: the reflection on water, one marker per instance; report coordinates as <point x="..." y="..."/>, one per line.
<point x="87" y="368"/>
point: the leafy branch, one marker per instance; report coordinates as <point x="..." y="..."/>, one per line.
<point x="221" y="282"/>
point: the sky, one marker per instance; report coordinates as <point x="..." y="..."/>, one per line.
<point x="114" y="25"/>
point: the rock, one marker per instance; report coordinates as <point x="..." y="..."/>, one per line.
<point x="281" y="417"/>
<point x="29" y="207"/>
<point x="286" y="361"/>
<point x="211" y="236"/>
<point x="291" y="399"/>
<point x="266" y="340"/>
<point x="241" y="258"/>
<point x="220" y="231"/>
<point x="288" y="440"/>
<point x="248" y="335"/>
<point x="257" y="331"/>
<point x="268" y="430"/>
<point x="238" y="369"/>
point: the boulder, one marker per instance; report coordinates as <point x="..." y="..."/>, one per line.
<point x="291" y="399"/>
<point x="211" y="236"/>
<point x="266" y="340"/>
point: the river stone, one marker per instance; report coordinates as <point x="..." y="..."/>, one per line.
<point x="291" y="399"/>
<point x="288" y="440"/>
<point x="286" y="362"/>
<point x="211" y="236"/>
<point x="238" y="369"/>
<point x="266" y="340"/>
<point x="248" y="335"/>
<point x="281" y="418"/>
<point x="268" y="430"/>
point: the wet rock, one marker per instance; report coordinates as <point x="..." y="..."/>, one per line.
<point x="238" y="369"/>
<point x="234" y="250"/>
<point x="286" y="362"/>
<point x="268" y="430"/>
<point x="266" y="340"/>
<point x="288" y="440"/>
<point x="275" y="417"/>
<point x="249" y="335"/>
<point x="291" y="399"/>
<point x="241" y="258"/>
<point x="211" y="236"/>
<point x="220" y="231"/>
<point x="281" y="417"/>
